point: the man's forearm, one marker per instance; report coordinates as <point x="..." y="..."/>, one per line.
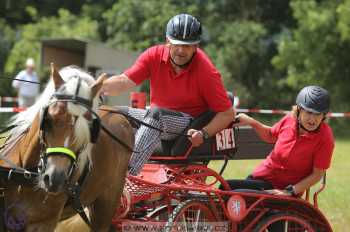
<point x="115" y="85"/>
<point x="220" y="121"/>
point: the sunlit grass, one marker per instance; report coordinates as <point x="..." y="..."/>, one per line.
<point x="333" y="201"/>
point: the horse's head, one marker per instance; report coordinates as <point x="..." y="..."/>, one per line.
<point x="67" y="127"/>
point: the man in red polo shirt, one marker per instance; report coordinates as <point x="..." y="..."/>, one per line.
<point x="184" y="83"/>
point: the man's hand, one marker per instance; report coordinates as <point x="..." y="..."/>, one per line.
<point x="115" y="85"/>
<point x="196" y="137"/>
<point x="278" y="192"/>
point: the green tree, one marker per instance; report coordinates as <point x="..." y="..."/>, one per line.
<point x="22" y="12"/>
<point x="242" y="45"/>
<point x="316" y="52"/>
<point x="65" y="25"/>
<point x="7" y="38"/>
<point x="136" y="25"/>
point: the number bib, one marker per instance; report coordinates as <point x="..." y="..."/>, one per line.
<point x="225" y="139"/>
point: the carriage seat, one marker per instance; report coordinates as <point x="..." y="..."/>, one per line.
<point x="181" y="145"/>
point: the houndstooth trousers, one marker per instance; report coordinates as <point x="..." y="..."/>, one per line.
<point x="147" y="139"/>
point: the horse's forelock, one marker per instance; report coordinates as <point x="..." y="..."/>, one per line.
<point x="72" y="71"/>
<point x="71" y="76"/>
<point x="81" y="131"/>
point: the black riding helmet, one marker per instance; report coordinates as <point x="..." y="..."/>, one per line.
<point x="183" y="29"/>
<point x="313" y="99"/>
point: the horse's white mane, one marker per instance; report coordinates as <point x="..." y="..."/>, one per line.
<point x="70" y="75"/>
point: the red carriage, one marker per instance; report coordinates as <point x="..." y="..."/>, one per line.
<point x="177" y="191"/>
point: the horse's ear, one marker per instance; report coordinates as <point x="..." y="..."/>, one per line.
<point x="96" y="87"/>
<point x="56" y="77"/>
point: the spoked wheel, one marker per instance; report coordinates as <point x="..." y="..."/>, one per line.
<point x="160" y="214"/>
<point x="283" y="222"/>
<point x="191" y="215"/>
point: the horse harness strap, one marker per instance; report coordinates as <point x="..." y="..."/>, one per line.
<point x="74" y="196"/>
<point x="23" y="177"/>
<point x="61" y="150"/>
<point x="14" y="174"/>
<point x="73" y="98"/>
<point x="126" y="146"/>
<point x="18" y="176"/>
<point x="94" y="130"/>
<point x="133" y="121"/>
<point x="94" y="123"/>
<point x="73" y="189"/>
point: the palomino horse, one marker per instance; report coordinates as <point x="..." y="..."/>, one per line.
<point x="55" y="135"/>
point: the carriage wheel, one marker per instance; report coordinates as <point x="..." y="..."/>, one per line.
<point x="161" y="214"/>
<point x="190" y="215"/>
<point x="283" y="222"/>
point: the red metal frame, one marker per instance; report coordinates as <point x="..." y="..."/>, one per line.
<point x="294" y="223"/>
<point x="160" y="187"/>
<point x="178" y="183"/>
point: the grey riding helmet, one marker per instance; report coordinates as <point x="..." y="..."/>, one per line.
<point x="314" y="99"/>
<point x="183" y="29"/>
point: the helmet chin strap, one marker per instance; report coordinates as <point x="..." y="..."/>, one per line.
<point x="302" y="127"/>
<point x="182" y="65"/>
<point x="312" y="131"/>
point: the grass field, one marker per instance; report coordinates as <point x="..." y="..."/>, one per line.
<point x="333" y="201"/>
